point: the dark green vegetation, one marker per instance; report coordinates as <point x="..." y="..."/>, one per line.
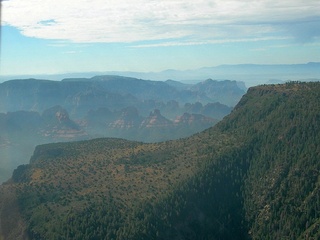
<point x="255" y="175"/>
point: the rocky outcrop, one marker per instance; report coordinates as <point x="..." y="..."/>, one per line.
<point x="190" y="119"/>
<point x="59" y="125"/>
<point x="155" y="119"/>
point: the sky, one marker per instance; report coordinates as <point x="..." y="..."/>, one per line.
<point x="50" y="37"/>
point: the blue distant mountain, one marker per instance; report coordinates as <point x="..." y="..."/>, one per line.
<point x="35" y="111"/>
<point x="251" y="74"/>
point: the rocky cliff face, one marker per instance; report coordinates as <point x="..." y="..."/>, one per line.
<point x="155" y="120"/>
<point x="58" y="117"/>
<point x="189" y="119"/>
<point x="129" y="118"/>
<point x="59" y="125"/>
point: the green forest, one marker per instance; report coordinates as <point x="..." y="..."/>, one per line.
<point x="254" y="175"/>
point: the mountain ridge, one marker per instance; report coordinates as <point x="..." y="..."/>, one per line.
<point x="285" y="71"/>
<point x="29" y="94"/>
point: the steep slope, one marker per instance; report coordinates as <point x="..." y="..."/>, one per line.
<point x="282" y="189"/>
<point x="254" y="175"/>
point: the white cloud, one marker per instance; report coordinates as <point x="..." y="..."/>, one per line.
<point x="71" y="52"/>
<point x="85" y="21"/>
<point x="215" y="41"/>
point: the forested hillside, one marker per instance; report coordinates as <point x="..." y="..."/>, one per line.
<point x="254" y="175"/>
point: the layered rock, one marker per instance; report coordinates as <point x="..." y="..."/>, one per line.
<point x="155" y="119"/>
<point x="129" y="118"/>
<point x="190" y="119"/>
<point x="59" y="125"/>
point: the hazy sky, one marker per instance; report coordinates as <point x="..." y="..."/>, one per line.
<point x="54" y="36"/>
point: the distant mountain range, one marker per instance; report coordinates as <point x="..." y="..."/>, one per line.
<point x="250" y="74"/>
<point x="34" y="112"/>
<point x="80" y="95"/>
